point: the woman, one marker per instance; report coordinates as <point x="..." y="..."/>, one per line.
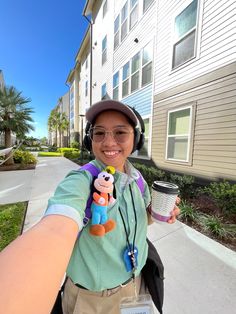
<point x="100" y="272"/>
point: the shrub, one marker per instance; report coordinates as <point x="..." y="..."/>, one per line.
<point x="188" y="212"/>
<point x="150" y="174"/>
<point x="184" y="182"/>
<point x="224" y="195"/>
<point x="75" y="144"/>
<point x="24" y="157"/>
<point x="214" y="225"/>
<point x="72" y="154"/>
<point x="52" y="149"/>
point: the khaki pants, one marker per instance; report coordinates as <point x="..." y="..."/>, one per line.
<point x="80" y="301"/>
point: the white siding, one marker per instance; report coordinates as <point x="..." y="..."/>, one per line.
<point x="102" y="27"/>
<point x="216" y="41"/>
<point x="144" y="31"/>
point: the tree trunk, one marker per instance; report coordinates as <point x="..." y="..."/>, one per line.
<point x="8" y="144"/>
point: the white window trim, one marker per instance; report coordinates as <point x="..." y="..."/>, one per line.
<point x="104" y="84"/>
<point x="140" y="70"/>
<point x="182" y="135"/>
<point x="198" y="28"/>
<point x="126" y="19"/>
<point x="131" y="10"/>
<point x="104" y="14"/>
<point x="104" y="51"/>
<point x="116" y="86"/>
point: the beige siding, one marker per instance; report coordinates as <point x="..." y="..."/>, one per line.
<point x="214" y="140"/>
<point x="216" y="45"/>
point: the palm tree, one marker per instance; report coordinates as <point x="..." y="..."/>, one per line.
<point x="15" y="116"/>
<point x="62" y="126"/>
<point x="53" y="122"/>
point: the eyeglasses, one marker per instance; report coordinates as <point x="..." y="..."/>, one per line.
<point x="120" y="134"/>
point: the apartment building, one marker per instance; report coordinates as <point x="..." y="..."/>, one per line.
<point x="175" y="62"/>
<point x="122" y="46"/>
<point x="194" y="110"/>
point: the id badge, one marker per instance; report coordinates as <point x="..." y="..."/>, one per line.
<point x="136" y="305"/>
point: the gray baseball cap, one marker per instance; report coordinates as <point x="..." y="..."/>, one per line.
<point x="105" y="105"/>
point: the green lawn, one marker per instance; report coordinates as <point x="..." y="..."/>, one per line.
<point x="49" y="154"/>
<point x="11" y="220"/>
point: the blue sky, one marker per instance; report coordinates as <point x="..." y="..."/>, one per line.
<point x="38" y="44"/>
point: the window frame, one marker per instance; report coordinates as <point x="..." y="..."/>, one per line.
<point x="102" y="87"/>
<point x="117" y="32"/>
<point x="86" y="89"/>
<point x="104" y="50"/>
<point x="126" y="79"/>
<point x="104" y="8"/>
<point x="147" y="7"/>
<point x="132" y="9"/>
<point x="114" y="87"/>
<point x="189" y="135"/>
<point x="184" y="37"/>
<point x="124" y="21"/>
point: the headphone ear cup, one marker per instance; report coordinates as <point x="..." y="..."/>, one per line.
<point x="141" y="141"/>
<point x="137" y="135"/>
<point x="87" y="142"/>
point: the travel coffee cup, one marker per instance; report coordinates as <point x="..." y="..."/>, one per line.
<point x="164" y="196"/>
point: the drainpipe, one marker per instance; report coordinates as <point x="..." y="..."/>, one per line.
<point x="91" y="57"/>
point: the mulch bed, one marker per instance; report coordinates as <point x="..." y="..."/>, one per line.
<point x="17" y="167"/>
<point x="206" y="205"/>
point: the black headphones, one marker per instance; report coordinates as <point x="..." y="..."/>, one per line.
<point x="139" y="137"/>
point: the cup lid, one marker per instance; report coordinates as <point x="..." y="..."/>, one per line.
<point x="165" y="187"/>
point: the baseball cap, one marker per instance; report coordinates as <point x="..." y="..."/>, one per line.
<point x="110" y="104"/>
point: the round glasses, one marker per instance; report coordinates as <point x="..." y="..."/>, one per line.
<point x="120" y="134"/>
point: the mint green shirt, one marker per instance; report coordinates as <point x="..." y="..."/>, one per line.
<point x="97" y="262"/>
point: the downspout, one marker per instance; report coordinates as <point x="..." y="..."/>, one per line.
<point x="91" y="58"/>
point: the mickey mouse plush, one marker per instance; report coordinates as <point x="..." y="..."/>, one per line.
<point x="101" y="199"/>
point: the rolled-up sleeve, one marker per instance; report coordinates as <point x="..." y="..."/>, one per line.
<point x="70" y="197"/>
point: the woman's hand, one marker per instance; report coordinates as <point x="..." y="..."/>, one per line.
<point x="175" y="212"/>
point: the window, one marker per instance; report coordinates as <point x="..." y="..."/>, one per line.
<point x="125" y="80"/>
<point x="178" y="134"/>
<point x="104" y="9"/>
<point x="104" y="91"/>
<point x="116" y="86"/>
<point x="185" y="35"/>
<point x="124" y="21"/>
<point x="104" y="49"/>
<point x="86" y="88"/>
<point x="137" y="73"/>
<point x="116" y="31"/>
<point x="133" y="13"/>
<point x="146" y="4"/>
<point x="147" y="64"/>
<point x="135" y="64"/>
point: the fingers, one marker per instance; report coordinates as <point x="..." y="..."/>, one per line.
<point x="175" y="212"/>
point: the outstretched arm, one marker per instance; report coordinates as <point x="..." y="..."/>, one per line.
<point x="32" y="266"/>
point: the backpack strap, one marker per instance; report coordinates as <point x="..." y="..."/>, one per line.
<point x="94" y="171"/>
<point x="140" y="183"/>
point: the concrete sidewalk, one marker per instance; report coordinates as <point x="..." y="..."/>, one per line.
<point x="200" y="273"/>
